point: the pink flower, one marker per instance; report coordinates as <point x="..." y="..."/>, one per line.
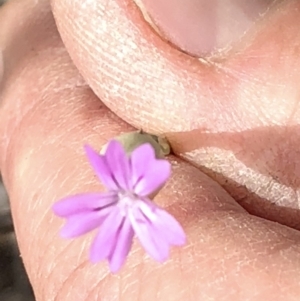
<point x="125" y="208"/>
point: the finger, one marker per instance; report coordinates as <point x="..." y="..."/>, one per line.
<point x="44" y="161"/>
<point x="235" y="115"/>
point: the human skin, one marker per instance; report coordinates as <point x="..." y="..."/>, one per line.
<point x="235" y="118"/>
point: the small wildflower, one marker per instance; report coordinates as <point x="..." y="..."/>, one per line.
<point x="126" y="208"/>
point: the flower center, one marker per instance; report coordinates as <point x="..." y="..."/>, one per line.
<point x="126" y="200"/>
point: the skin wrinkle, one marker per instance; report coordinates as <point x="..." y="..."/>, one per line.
<point x="30" y="110"/>
<point x="21" y="60"/>
<point x="29" y="115"/>
<point x="268" y="181"/>
<point x="75" y="273"/>
<point x="45" y="183"/>
<point x="263" y="115"/>
<point x="69" y="280"/>
<point x="61" y="287"/>
<point x="135" y="281"/>
<point x="65" y="281"/>
<point x="243" y="299"/>
<point x="5" y="142"/>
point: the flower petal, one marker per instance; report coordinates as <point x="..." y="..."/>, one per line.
<point x="105" y="240"/>
<point x="118" y="162"/>
<point x="122" y="247"/>
<point x="148" y="236"/>
<point x="140" y="159"/>
<point x="101" y="168"/>
<point x="83" y="223"/>
<point x="154" y="177"/>
<point x="168" y="227"/>
<point x="83" y="203"/>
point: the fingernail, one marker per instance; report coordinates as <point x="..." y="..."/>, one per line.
<point x="202" y="27"/>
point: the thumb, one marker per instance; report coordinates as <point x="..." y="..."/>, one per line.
<point x="235" y="114"/>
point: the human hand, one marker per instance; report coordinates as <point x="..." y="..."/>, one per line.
<point x="235" y="117"/>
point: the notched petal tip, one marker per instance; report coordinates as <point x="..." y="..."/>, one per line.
<point x="140" y="159"/>
<point x="149" y="237"/>
<point x="168" y="225"/>
<point x="82" y="203"/>
<point x="115" y="147"/>
<point x="101" y="168"/>
<point x="90" y="152"/>
<point x="56" y="208"/>
<point x="157" y="230"/>
<point x="154" y="178"/>
<point x="143" y="152"/>
<point x="81" y="224"/>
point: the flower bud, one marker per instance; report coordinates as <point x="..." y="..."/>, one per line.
<point x="132" y="140"/>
